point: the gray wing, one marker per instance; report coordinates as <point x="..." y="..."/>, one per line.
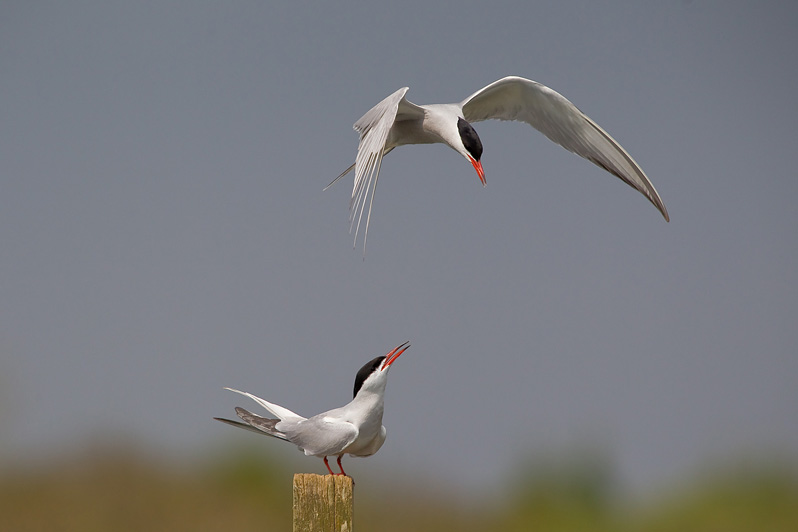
<point x="374" y="127"/>
<point x="516" y="98"/>
<point x="321" y="436"/>
<point x="280" y="411"/>
<point x="255" y="423"/>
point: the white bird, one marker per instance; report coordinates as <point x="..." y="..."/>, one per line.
<point x="355" y="429"/>
<point x="395" y="122"/>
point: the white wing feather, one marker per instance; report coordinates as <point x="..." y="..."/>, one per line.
<point x="374" y="128"/>
<point x="321" y="437"/>
<point x="282" y="413"/>
<point x="317" y="436"/>
<point x="521" y="99"/>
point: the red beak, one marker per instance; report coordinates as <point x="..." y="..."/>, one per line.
<point x="478" y="167"/>
<point x="393" y="355"/>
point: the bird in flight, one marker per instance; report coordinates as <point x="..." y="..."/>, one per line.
<point x="355" y="429"/>
<point x="395" y="122"/>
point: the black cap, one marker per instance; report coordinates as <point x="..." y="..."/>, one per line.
<point x="364" y="372"/>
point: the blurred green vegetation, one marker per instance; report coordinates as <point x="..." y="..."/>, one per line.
<point x="118" y="488"/>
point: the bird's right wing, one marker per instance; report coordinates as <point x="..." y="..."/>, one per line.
<point x="516" y="98"/>
<point x="281" y="412"/>
<point x="241" y="425"/>
<point x="255" y="423"/>
<point x="322" y="436"/>
<point x="374" y="127"/>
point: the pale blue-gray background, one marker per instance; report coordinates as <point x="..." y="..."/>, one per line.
<point x="163" y="231"/>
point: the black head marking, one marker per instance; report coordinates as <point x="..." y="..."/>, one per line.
<point x="364" y="372"/>
<point x="470" y="139"/>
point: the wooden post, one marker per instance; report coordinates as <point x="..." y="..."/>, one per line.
<point x="323" y="503"/>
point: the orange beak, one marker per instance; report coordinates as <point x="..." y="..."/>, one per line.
<point x="393" y="355"/>
<point x="478" y="167"/>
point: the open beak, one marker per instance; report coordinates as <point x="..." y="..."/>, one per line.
<point x="393" y="355"/>
<point x="478" y="167"/>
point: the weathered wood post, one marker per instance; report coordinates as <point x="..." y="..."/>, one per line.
<point x="323" y="503"/>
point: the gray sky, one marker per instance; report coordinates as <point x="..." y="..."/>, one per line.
<point x="164" y="232"/>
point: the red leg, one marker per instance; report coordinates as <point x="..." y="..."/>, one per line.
<point x="328" y="465"/>
<point x="342" y="467"/>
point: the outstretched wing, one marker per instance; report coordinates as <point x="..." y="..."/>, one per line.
<point x="374" y="127"/>
<point x="281" y="412"/>
<point x="516" y="98"/>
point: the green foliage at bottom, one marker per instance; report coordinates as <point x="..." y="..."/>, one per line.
<point x="242" y="489"/>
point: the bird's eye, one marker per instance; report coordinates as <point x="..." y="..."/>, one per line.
<point x="367" y="369"/>
<point x="470" y="139"/>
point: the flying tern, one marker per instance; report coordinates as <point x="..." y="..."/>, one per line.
<point x="395" y="122"/>
<point x="355" y="429"/>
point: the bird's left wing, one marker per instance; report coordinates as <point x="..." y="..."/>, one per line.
<point x="374" y="127"/>
<point x="280" y="411"/>
<point x="516" y="98"/>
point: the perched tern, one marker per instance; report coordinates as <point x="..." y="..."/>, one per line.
<point x="395" y="122"/>
<point x="355" y="429"/>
